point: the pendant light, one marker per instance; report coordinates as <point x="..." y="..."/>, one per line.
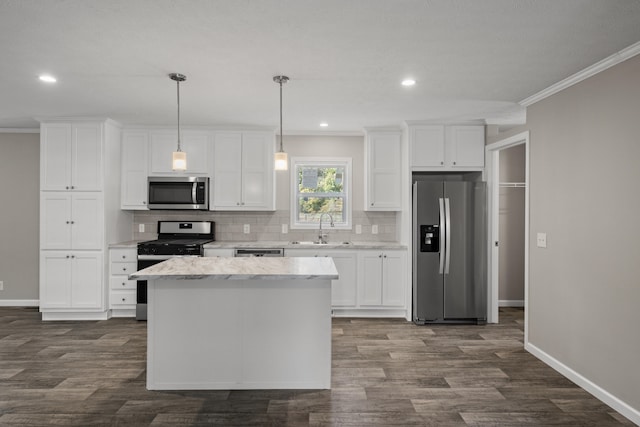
<point x="281" y="160"/>
<point x="179" y="158"/>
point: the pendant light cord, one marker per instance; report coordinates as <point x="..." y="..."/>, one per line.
<point x="178" y="90"/>
<point x="281" y="149"/>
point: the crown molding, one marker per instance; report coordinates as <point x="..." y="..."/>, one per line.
<point x="19" y="130"/>
<point x="590" y="71"/>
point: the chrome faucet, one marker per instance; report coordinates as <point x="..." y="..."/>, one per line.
<point x="322" y="237"/>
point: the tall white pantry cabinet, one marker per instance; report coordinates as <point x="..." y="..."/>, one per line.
<point x="79" y="216"/>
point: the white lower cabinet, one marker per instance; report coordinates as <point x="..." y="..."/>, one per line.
<point x="382" y="278"/>
<point x="372" y="283"/>
<point x="343" y="290"/>
<point x="71" y="279"/>
<point x="122" y="291"/>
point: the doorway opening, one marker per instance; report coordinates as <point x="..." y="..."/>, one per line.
<point x="507" y="176"/>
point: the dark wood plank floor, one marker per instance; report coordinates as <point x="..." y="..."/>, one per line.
<point x="385" y="372"/>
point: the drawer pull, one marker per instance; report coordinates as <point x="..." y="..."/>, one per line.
<point x="124" y="284"/>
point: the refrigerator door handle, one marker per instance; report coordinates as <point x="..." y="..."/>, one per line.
<point x="443" y="226"/>
<point x="447" y="244"/>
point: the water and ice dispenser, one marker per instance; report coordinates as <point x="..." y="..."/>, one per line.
<point x="430" y="238"/>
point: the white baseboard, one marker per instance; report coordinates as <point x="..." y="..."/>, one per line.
<point x="19" y="302"/>
<point x="625" y="409"/>
<point x="511" y="303"/>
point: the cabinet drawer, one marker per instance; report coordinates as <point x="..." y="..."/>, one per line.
<point x="122" y="283"/>
<point x="119" y="298"/>
<point x="124" y="255"/>
<point x="123" y="268"/>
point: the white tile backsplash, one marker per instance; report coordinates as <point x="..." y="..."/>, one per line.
<point x="268" y="226"/>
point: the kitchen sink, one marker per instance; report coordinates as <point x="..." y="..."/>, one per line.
<point x="310" y="243"/>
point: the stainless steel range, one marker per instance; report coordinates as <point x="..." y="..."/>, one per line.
<point x="175" y="238"/>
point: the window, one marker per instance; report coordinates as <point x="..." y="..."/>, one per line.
<point x="319" y="186"/>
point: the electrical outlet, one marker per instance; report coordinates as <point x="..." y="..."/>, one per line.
<point x="247" y="229"/>
<point x="141" y="228"/>
<point x="285" y="228"/>
<point x="374" y="229"/>
<point x="1" y="285"/>
<point x="541" y="240"/>
<point x="358" y="228"/>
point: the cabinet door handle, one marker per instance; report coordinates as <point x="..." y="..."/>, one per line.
<point x="379" y="256"/>
<point x="72" y="187"/>
<point x="73" y="256"/>
<point x="123" y="299"/>
<point x="123" y="284"/>
<point x="67" y="256"/>
<point x="442" y="163"/>
<point x="144" y="203"/>
<point x="454" y="163"/>
<point x="66" y="188"/>
<point x="73" y="222"/>
<point x="68" y="222"/>
<point x="124" y="256"/>
<point x="385" y="256"/>
<point x="371" y="204"/>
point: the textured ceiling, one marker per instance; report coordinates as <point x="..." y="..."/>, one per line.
<point x="472" y="59"/>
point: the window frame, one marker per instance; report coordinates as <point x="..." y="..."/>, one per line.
<point x="345" y="162"/>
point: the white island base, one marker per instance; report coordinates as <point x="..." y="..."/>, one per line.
<point x="232" y="333"/>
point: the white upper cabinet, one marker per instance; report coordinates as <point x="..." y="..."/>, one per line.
<point x="164" y="143"/>
<point x="466" y="146"/>
<point x="135" y="168"/>
<point x="427" y="146"/>
<point x="243" y="171"/>
<point x="71" y="157"/>
<point x="383" y="171"/>
<point x="439" y="147"/>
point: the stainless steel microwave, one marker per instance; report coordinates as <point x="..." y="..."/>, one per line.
<point x="179" y="192"/>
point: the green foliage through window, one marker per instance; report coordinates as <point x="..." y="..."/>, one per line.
<point x="321" y="189"/>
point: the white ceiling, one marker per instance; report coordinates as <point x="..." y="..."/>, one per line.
<point x="472" y="59"/>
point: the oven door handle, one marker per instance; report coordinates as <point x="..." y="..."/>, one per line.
<point x="163" y="257"/>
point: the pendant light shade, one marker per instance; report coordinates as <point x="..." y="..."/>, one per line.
<point x="179" y="158"/>
<point x="281" y="158"/>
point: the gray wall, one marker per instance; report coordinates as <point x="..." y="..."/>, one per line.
<point x="584" y="289"/>
<point x="20" y="206"/>
<point x="268" y="225"/>
<point x="511" y="230"/>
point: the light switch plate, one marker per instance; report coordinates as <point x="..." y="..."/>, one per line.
<point x="247" y="229"/>
<point x="374" y="229"/>
<point x="358" y="228"/>
<point x="141" y="228"/>
<point x="541" y="240"/>
<point x="285" y="228"/>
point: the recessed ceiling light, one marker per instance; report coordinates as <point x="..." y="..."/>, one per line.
<point x="324" y="124"/>
<point x="408" y="82"/>
<point x="47" y="78"/>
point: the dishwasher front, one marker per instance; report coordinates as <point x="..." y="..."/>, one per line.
<point x="258" y="252"/>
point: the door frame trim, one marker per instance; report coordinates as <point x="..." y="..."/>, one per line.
<point x="492" y="173"/>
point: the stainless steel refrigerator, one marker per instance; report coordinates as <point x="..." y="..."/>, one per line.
<point x="449" y="252"/>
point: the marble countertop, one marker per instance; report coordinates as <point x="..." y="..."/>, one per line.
<point x="126" y="245"/>
<point x="276" y="268"/>
<point x="304" y="245"/>
<point x="279" y="244"/>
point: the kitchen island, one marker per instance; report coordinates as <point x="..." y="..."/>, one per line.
<point x="239" y="323"/>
